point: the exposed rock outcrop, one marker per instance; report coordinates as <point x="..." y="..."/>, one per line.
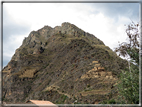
<point x="61" y="65"/>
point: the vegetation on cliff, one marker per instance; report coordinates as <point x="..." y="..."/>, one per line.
<point x="63" y="65"/>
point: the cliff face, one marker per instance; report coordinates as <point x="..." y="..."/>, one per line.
<point x="61" y="64"/>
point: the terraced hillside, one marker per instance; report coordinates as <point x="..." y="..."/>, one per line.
<point x="63" y="65"/>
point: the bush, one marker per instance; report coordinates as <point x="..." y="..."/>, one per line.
<point x="129" y="86"/>
<point x="112" y="101"/>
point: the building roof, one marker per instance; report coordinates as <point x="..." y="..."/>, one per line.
<point x="40" y="102"/>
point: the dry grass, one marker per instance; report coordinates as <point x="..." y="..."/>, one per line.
<point x="93" y="92"/>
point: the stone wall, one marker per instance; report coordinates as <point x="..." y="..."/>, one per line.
<point x="97" y="72"/>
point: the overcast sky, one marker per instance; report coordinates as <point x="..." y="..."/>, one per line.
<point x="104" y="20"/>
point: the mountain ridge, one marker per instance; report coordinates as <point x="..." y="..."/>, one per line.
<point x="62" y="64"/>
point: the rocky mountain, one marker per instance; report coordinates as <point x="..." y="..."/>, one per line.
<point x="63" y="65"/>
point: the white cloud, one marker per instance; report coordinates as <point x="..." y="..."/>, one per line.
<point x="106" y="29"/>
<point x="14" y="43"/>
<point x="41" y="14"/>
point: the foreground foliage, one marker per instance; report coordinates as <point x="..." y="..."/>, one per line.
<point x="128" y="86"/>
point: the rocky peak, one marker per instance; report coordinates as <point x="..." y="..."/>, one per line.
<point x="60" y="62"/>
<point x="67" y="25"/>
<point x="37" y="40"/>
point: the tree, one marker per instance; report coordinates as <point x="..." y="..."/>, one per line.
<point x="128" y="88"/>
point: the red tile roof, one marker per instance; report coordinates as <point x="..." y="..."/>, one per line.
<point x="40" y="102"/>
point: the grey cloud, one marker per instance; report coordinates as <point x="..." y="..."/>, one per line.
<point x="5" y="62"/>
<point x="12" y="28"/>
<point x="130" y="10"/>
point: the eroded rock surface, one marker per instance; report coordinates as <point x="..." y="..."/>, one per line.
<point x="61" y="65"/>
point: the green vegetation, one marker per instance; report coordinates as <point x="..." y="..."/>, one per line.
<point x="112" y="101"/>
<point x="128" y="87"/>
<point x="88" y="85"/>
<point x="4" y="99"/>
<point x="62" y="99"/>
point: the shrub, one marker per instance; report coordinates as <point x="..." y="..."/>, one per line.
<point x="112" y="101"/>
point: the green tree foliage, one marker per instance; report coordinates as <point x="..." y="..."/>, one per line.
<point x="128" y="86"/>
